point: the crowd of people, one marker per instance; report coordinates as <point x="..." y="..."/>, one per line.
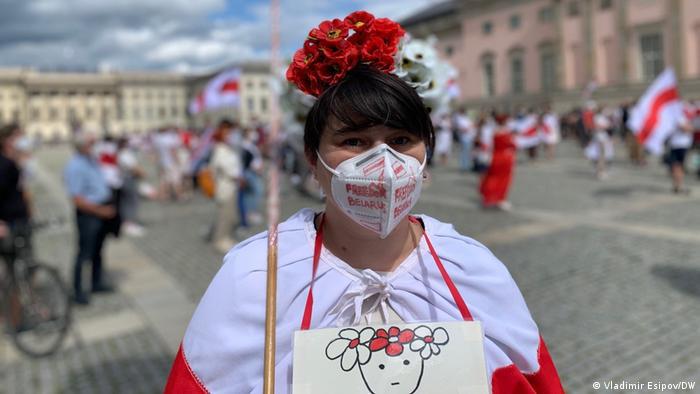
<point x="109" y="176"/>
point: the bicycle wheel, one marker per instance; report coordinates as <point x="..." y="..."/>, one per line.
<point x="38" y="311"/>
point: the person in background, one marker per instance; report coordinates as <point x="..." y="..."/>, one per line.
<point x="166" y="143"/>
<point x="443" y="138"/>
<point x="680" y="141"/>
<point x="251" y="194"/>
<point x="551" y="131"/>
<point x="91" y="196"/>
<point x="107" y="151"/>
<point x="496" y="182"/>
<point x="467" y="134"/>
<point x="14" y="200"/>
<point x="226" y="166"/>
<point x="132" y="173"/>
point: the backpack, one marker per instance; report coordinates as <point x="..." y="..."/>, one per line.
<point x="206" y="182"/>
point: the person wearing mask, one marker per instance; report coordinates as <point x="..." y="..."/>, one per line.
<point x="362" y="261"/>
<point x="92" y="198"/>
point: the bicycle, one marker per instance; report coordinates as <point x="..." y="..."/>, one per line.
<point x="35" y="300"/>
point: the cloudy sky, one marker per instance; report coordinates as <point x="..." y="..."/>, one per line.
<point x="179" y="35"/>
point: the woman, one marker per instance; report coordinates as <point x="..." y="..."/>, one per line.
<point x="365" y="140"/>
<point x="496" y="183"/>
<point x="226" y="166"/>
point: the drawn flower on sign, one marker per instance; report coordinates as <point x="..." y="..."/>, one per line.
<point x="428" y="342"/>
<point x="351" y="347"/>
<point x="392" y="341"/>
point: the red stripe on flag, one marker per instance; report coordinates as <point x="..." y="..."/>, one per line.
<point x="663" y="98"/>
<point x="229" y="86"/>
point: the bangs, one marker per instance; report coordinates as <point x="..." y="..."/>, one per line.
<point x="367" y="97"/>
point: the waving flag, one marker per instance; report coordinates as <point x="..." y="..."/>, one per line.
<point x="221" y="92"/>
<point x="657" y="112"/>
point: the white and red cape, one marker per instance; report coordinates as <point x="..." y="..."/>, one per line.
<point x="222" y="351"/>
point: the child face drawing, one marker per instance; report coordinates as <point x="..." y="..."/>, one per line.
<point x="391" y="361"/>
<point x="393" y="374"/>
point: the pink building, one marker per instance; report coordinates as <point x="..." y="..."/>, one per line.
<point x="530" y="52"/>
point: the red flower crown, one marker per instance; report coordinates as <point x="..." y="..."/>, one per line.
<point x="330" y="51"/>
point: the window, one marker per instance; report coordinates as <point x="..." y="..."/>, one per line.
<point x="263" y="104"/>
<point x="35" y="113"/>
<point x="161" y="113"/>
<point x="651" y="46"/>
<point x="137" y="113"/>
<point x="548" y="70"/>
<point x="489" y="76"/>
<point x="15" y="115"/>
<point x="251" y="104"/>
<point x="546" y="14"/>
<point x="263" y="84"/>
<point x="517" y="83"/>
<point x="173" y="111"/>
<point x="88" y="113"/>
<point x="249" y="85"/>
<point x="605" y="4"/>
<point x="53" y="113"/>
<point x="573" y="8"/>
<point x="487" y="27"/>
<point x="514" y="21"/>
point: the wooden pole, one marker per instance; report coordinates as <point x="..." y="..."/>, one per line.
<point x="272" y="208"/>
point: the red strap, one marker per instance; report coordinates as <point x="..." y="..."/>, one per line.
<point x="308" y="309"/>
<point x="461" y="305"/>
<point x="306" y="320"/>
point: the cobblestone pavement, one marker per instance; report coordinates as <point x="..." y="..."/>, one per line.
<point x="610" y="271"/>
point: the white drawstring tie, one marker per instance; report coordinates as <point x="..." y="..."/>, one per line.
<point x="369" y="286"/>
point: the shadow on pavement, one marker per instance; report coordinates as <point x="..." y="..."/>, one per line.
<point x="683" y="279"/>
<point x="628" y="190"/>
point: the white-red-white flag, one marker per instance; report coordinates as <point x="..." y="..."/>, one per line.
<point x="657" y="112"/>
<point x="221" y="92"/>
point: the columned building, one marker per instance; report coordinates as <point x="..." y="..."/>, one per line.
<point x="49" y="105"/>
<point x="529" y="52"/>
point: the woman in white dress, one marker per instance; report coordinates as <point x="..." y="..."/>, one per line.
<point x="363" y="258"/>
<point x="443" y="138"/>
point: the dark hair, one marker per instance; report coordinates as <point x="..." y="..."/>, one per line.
<point x="7" y="131"/>
<point x="225" y="123"/>
<point x="367" y="97"/>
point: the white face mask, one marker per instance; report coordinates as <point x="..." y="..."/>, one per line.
<point x="377" y="188"/>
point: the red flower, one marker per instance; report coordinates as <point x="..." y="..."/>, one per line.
<point x="331" y="71"/>
<point x="359" y="21"/>
<point x="392" y="342"/>
<point x="388" y="30"/>
<point x="306" y="55"/>
<point x="343" y="51"/>
<point x="380" y="55"/>
<point x="305" y="79"/>
<point x="330" y="31"/>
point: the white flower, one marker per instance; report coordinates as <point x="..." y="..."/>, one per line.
<point x="351" y="347"/>
<point x="428" y="342"/>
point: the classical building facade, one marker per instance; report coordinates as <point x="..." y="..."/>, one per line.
<point x="528" y="52"/>
<point x="51" y="104"/>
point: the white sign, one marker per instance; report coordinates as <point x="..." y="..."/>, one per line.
<point x="401" y="359"/>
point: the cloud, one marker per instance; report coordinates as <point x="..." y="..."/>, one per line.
<point x="181" y="35"/>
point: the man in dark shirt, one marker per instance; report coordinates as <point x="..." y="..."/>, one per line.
<point x="14" y="209"/>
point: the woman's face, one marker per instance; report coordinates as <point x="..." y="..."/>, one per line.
<point x="337" y="146"/>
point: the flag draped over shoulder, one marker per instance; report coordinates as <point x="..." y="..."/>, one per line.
<point x="222" y="91"/>
<point x="657" y="113"/>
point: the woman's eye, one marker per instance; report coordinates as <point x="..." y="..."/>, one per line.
<point x="400" y="141"/>
<point x="352" y="142"/>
